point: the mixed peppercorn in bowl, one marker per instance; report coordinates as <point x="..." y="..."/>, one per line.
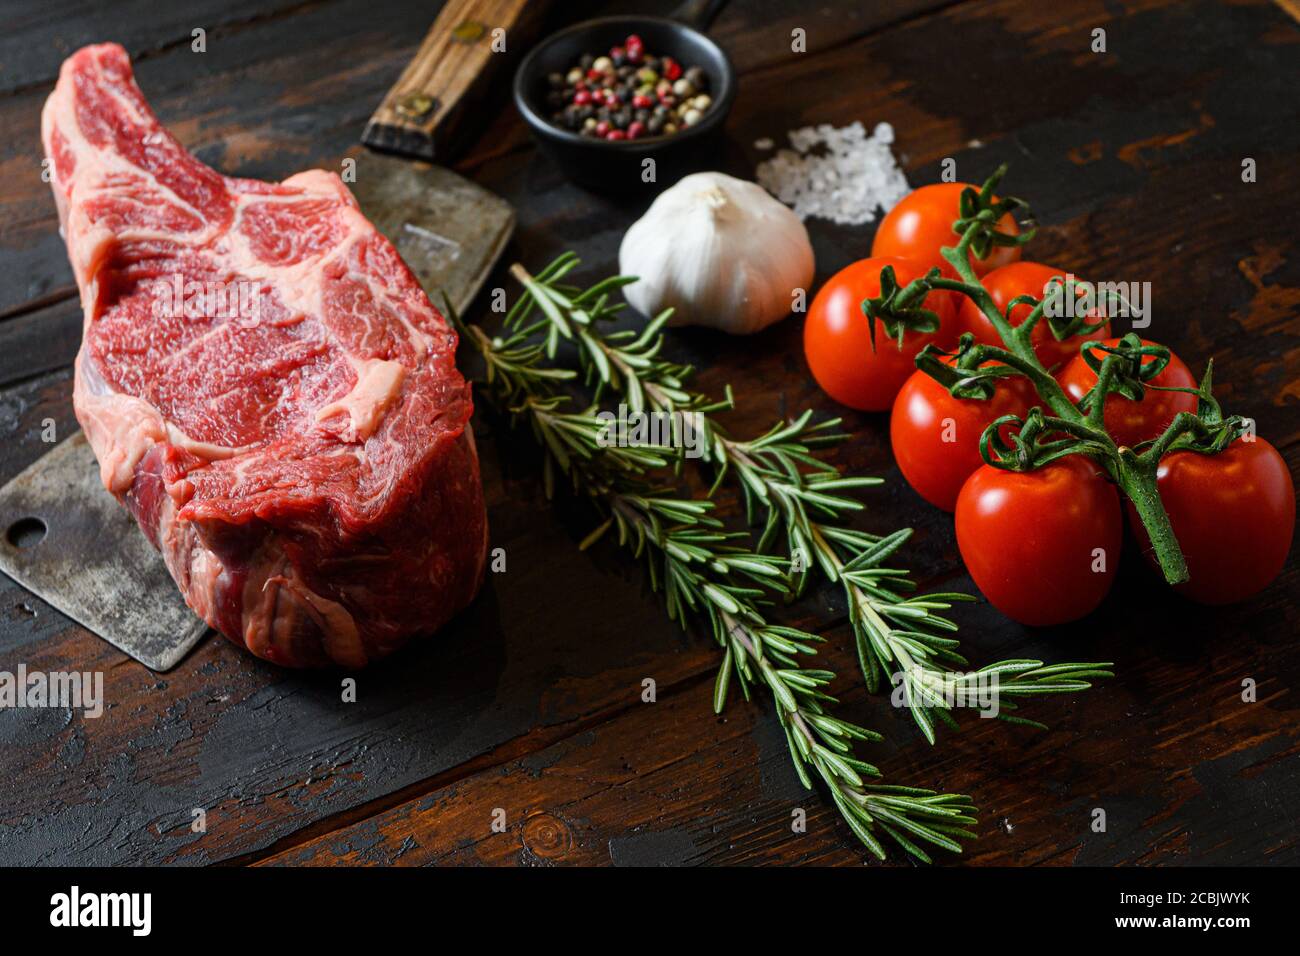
<point x="606" y="95"/>
<point x="628" y="93"/>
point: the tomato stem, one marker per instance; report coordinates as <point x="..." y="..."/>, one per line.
<point x="1135" y="475"/>
<point x="1072" y="427"/>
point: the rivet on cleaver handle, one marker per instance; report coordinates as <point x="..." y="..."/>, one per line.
<point x="93" y="563"/>
<point x="432" y="96"/>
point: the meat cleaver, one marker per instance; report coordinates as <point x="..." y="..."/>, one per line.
<point x="65" y="539"/>
<point x="449" y="230"/>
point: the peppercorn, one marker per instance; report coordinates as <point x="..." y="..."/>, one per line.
<point x="627" y="94"/>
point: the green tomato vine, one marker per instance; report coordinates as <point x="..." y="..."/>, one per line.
<point x="1060" y="426"/>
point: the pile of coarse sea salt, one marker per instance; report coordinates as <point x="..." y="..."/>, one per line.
<point x="836" y="173"/>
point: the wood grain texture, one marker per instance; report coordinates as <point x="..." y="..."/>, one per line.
<point x="531" y="701"/>
<point x="667" y="784"/>
<point x="424" y="112"/>
<point x="35" y="35"/>
<point x="279" y="94"/>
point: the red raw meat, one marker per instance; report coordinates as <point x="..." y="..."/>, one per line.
<point x="265" y="385"/>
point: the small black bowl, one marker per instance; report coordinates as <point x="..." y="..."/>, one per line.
<point x="618" y="166"/>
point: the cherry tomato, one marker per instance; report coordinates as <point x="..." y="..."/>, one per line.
<point x="1130" y="422"/>
<point x="1233" y="515"/>
<point x="921" y="224"/>
<point x="1042" y="545"/>
<point x="838" y="343"/>
<point x="1005" y="284"/>
<point x="936" y="437"/>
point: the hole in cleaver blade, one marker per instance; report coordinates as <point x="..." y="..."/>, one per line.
<point x="92" y="563"/>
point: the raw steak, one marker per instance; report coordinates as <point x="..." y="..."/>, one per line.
<point x="265" y="385"/>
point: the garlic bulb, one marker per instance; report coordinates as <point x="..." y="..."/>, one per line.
<point x="720" y="251"/>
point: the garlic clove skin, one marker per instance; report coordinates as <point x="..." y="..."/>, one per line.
<point x="721" y="252"/>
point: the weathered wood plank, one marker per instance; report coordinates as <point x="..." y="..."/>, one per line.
<point x="1156" y="196"/>
<point x="275" y="94"/>
<point x="264" y="101"/>
<point x="1133" y="163"/>
<point x="40" y="341"/>
<point x="1198" y="778"/>
<point x="35" y="36"/>
<point x="266" y="751"/>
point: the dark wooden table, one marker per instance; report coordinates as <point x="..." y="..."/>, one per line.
<point x="530" y="704"/>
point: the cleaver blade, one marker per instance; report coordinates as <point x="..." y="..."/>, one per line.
<point x="92" y="563"/>
<point x="449" y="230"/>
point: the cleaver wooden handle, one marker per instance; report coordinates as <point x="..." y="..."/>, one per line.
<point x="429" y="101"/>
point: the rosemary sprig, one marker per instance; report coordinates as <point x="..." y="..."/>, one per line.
<point x="626" y="361"/>
<point x="702" y="570"/>
<point x="801" y="498"/>
<point x="895" y="630"/>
